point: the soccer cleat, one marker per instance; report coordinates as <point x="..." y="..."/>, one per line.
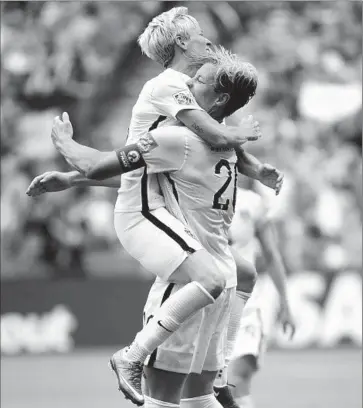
<point x="224" y="397"/>
<point x="128" y="375"/>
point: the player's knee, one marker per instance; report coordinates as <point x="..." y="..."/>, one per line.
<point x="214" y="283"/>
<point x="200" y="267"/>
<point x="246" y="277"/>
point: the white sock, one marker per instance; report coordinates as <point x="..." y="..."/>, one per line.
<point x="171" y="314"/>
<point x="205" y="401"/>
<point x="153" y="403"/>
<point x="235" y="321"/>
<point x="233" y="326"/>
<point x="245" y="402"/>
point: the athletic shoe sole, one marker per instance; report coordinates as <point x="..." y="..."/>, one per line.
<point x="125" y="388"/>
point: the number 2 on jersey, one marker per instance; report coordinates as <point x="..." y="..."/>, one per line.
<point x="217" y="204"/>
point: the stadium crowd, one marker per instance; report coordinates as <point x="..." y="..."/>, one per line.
<point x="82" y="58"/>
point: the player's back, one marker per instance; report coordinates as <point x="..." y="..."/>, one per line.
<point x="205" y="189"/>
<point x="157" y="106"/>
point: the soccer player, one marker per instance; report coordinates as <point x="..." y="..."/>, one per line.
<point x="253" y="229"/>
<point x="203" y="182"/>
<point x="177" y="38"/>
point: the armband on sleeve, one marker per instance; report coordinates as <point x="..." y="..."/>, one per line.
<point x="130" y="158"/>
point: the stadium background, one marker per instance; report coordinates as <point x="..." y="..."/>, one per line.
<point x="69" y="292"/>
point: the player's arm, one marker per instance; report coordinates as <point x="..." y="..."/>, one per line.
<point x="92" y="163"/>
<point x="98" y="165"/>
<point x="174" y="99"/>
<point x="266" y="235"/>
<point x="54" y="181"/>
<point x="250" y="166"/>
<point x="216" y="134"/>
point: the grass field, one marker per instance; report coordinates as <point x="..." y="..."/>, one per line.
<point x="308" y="379"/>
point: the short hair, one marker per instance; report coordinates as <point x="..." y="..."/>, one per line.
<point x="158" y="39"/>
<point x="235" y="77"/>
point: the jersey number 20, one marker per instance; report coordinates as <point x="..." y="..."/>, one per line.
<point x="218" y="203"/>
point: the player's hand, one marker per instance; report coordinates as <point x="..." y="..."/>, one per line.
<point x="62" y="130"/>
<point x="271" y="177"/>
<point x="249" y="130"/>
<point x="287" y="321"/>
<point x="48" y="182"/>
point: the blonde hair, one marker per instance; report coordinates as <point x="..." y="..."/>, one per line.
<point x="235" y="77"/>
<point x="158" y="39"/>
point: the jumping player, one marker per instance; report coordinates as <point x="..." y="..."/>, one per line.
<point x="154" y="108"/>
<point x="203" y="181"/>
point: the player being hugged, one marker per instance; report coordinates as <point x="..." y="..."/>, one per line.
<point x="175" y="40"/>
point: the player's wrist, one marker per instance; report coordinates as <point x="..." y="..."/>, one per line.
<point x="259" y="171"/>
<point x="72" y="178"/>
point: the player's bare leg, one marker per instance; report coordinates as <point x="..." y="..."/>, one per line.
<point x="169" y="389"/>
<point x="163" y="386"/>
<point x="246" y="279"/>
<point x="198" y="391"/>
<point x="206" y="283"/>
<point x="241" y="372"/>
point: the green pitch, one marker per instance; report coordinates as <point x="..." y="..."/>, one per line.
<point x="307" y="379"/>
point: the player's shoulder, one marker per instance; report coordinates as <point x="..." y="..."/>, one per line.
<point x="170" y="82"/>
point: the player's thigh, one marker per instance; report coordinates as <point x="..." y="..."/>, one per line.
<point x="201" y="267"/>
<point x="202" y="384"/>
<point x="176" y="353"/>
<point x="197" y="385"/>
<point x="163" y="385"/>
<point x="159" y="242"/>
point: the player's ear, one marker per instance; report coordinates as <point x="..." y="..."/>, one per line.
<point x="223" y="98"/>
<point x="181" y="42"/>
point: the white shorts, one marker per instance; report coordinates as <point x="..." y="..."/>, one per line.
<point x="157" y="240"/>
<point x="251" y="337"/>
<point x="210" y="323"/>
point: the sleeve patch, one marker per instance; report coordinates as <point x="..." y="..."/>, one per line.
<point x="184" y="98"/>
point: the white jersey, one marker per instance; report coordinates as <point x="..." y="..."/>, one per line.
<point x="203" y="184"/>
<point x="159" y="102"/>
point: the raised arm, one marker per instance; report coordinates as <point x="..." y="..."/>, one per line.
<point x="97" y="165"/>
<point x="91" y="163"/>
<point x="216" y="134"/>
<point x="174" y="99"/>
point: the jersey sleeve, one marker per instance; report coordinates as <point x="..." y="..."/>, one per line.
<point x="164" y="149"/>
<point x="172" y="96"/>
